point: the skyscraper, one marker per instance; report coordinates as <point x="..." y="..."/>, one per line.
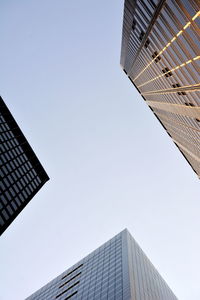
<point x="21" y="173"/>
<point x="160" y="54"/>
<point x="118" y="270"/>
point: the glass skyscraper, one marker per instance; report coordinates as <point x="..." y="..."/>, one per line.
<point x="161" y="54"/>
<point x="21" y="173"/>
<point x="118" y="270"/>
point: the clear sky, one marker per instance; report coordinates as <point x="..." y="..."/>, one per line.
<point x="111" y="164"/>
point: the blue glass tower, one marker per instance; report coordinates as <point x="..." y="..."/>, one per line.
<point x="118" y="270"/>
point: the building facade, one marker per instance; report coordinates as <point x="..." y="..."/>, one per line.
<point x="21" y="173"/>
<point x="160" y="54"/>
<point x="118" y="270"/>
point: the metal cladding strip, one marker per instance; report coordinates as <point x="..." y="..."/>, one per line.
<point x="187" y="151"/>
<point x="126" y="33"/>
<point x="187" y="14"/>
<point x="179" y="109"/>
<point x="186" y="88"/>
<point x="153" y="20"/>
<point x="172" y="70"/>
<point x="179" y="124"/>
<point x="184" y="135"/>
<point x="169" y="43"/>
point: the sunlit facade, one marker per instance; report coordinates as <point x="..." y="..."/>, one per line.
<point x="161" y="56"/>
<point x="21" y="173"/>
<point x="118" y="270"/>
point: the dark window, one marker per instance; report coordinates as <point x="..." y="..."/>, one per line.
<point x="72" y="271"/>
<point x="70" y="279"/>
<point x="168" y="73"/>
<point x="147" y="43"/>
<point x="155" y="55"/>
<point x="69" y="288"/>
<point x="5" y="215"/>
<point x="4" y="199"/>
<point x="71" y="295"/>
<point x="176" y="85"/>
<point x="133" y="24"/>
<point x="141" y="35"/>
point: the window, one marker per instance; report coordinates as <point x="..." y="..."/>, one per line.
<point x="141" y="35"/>
<point x="69" y="288"/>
<point x="166" y="70"/>
<point x="133" y="24"/>
<point x="156" y="57"/>
<point x="70" y="280"/>
<point x="147" y="43"/>
<point x="72" y="271"/>
<point x="71" y="295"/>
<point x="176" y="85"/>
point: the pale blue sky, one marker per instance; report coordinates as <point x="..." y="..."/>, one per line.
<point x="110" y="162"/>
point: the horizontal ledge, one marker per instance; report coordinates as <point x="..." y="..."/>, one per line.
<point x="187" y="151"/>
<point x="170" y="121"/>
<point x="179" y="109"/>
<point x="187" y="88"/>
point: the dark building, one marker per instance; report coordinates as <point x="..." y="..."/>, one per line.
<point x="160" y="54"/>
<point x="21" y="173"/>
<point x="118" y="270"/>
